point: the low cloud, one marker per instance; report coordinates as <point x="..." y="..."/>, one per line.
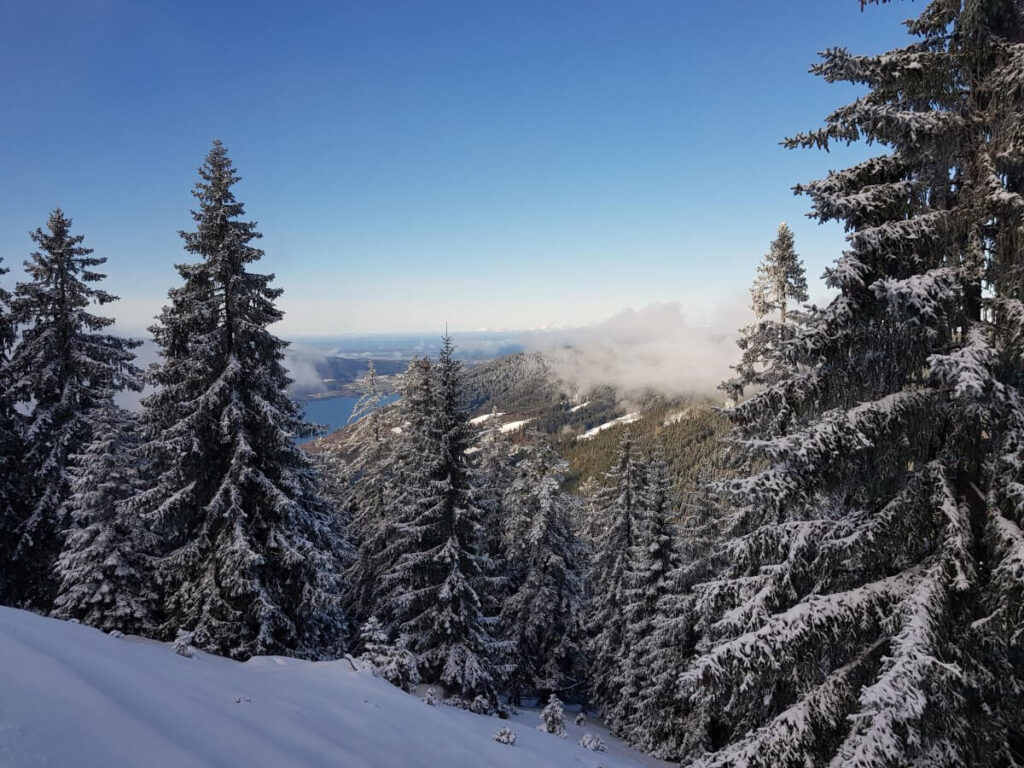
<point x="301" y="362"/>
<point x="662" y="347"/>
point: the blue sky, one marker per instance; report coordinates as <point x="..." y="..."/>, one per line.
<point x="485" y="164"/>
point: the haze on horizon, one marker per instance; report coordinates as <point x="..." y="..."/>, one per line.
<point x="500" y="165"/>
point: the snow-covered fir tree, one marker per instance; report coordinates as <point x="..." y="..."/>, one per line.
<point x="392" y="660"/>
<point x="373" y="444"/>
<point x="658" y="714"/>
<point x="777" y="292"/>
<point x="104" y="573"/>
<point x="619" y="503"/>
<point x="62" y="370"/>
<point x="495" y="458"/>
<point x="870" y="614"/>
<point x="247" y="561"/>
<point x="435" y="569"/>
<point x="587" y="516"/>
<point x="334" y="476"/>
<point x="381" y="537"/>
<point x="651" y="562"/>
<point x="781" y="281"/>
<point x="505" y="735"/>
<point x="10" y="450"/>
<point x="542" y="619"/>
<point x="553" y="718"/>
<point x="592" y="742"/>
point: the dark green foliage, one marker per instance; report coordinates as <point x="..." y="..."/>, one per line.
<point x="687" y="432"/>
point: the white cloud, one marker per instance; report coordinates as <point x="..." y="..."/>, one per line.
<point x="660" y="346"/>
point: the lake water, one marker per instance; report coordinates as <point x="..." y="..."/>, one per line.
<point x="334" y="412"/>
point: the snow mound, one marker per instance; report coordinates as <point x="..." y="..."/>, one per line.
<point x="74" y="696"/>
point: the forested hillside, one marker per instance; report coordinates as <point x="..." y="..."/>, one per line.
<point x="524" y="388"/>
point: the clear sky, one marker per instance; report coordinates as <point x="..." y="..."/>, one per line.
<point x="485" y="164"/>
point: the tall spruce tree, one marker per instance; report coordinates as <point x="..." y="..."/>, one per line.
<point x="10" y="450"/>
<point x="619" y="504"/>
<point x="780" y="287"/>
<point x="495" y="459"/>
<point x="653" y="559"/>
<point x="246" y="561"/>
<point x="542" y="618"/>
<point x="870" y="613"/>
<point x="781" y="281"/>
<point x="383" y="540"/>
<point x="373" y="444"/>
<point x="104" y="572"/>
<point x="62" y="370"/>
<point x="436" y="571"/>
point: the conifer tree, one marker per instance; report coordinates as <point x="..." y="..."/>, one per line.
<point x="435" y="568"/>
<point x="542" y="619"/>
<point x="495" y="459"/>
<point x="373" y="446"/>
<point x="870" y="614"/>
<point x="780" y="284"/>
<point x="392" y="660"/>
<point x="389" y="450"/>
<point x="246" y="562"/>
<point x="62" y="370"/>
<point x="780" y="278"/>
<point x="553" y="717"/>
<point x="619" y="503"/>
<point x="105" y="580"/>
<point x="652" y="560"/>
<point x="700" y="554"/>
<point x="334" y="478"/>
<point x="588" y="517"/>
<point x="10" y="449"/>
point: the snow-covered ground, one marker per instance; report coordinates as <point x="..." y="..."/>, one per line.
<point x="629" y="418"/>
<point x="513" y="426"/>
<point x="484" y="417"/>
<point x="73" y="696"/>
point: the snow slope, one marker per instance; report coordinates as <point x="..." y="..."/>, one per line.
<point x="512" y="426"/>
<point x="73" y="696"/>
<point x="629" y="418"/>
